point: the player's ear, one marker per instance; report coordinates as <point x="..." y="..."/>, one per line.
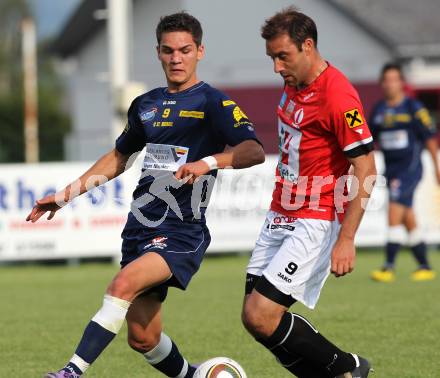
<point x="158" y="51"/>
<point x="200" y="52"/>
<point x="308" y="45"/>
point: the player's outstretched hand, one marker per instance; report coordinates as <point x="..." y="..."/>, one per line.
<point x="343" y="257"/>
<point x="191" y="171"/>
<point x="46" y="204"/>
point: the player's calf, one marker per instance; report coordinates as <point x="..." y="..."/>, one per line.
<point x="166" y="357"/>
<point x="145" y="342"/>
<point x="293" y="340"/>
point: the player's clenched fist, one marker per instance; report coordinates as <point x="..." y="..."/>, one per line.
<point x="343" y="257"/>
<point x="191" y="171"/>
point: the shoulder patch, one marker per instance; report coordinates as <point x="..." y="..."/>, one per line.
<point x="239" y="114"/>
<point x="424" y="116"/>
<point x="353" y="118"/>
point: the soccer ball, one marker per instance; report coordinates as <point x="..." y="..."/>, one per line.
<point x="220" y="367"/>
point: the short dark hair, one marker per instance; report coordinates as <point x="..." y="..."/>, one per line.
<point x="180" y="21"/>
<point x="391" y="66"/>
<point x="296" y="24"/>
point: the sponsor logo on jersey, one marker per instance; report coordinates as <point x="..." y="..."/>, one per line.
<point x="298" y="117"/>
<point x="148" y="115"/>
<point x="287" y="227"/>
<point x="191" y="114"/>
<point x="309" y="96"/>
<point x="228" y="103"/>
<point x="169" y="102"/>
<point x="402" y="118"/>
<point x="158" y="242"/>
<point x="284" y="219"/>
<point x="284" y="277"/>
<point x="353" y="118"/>
<point x="163" y="124"/>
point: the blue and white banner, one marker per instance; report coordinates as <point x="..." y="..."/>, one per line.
<point x="91" y="225"/>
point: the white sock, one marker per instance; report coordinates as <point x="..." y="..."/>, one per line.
<point x="111" y="316"/>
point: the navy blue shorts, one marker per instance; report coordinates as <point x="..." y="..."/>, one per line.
<point x="402" y="189"/>
<point x="181" y="244"/>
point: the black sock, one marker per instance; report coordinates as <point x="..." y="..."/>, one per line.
<point x="296" y="364"/>
<point x="299" y="338"/>
<point x="391" y="252"/>
<point x="420" y="254"/>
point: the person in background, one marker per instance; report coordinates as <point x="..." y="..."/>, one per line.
<point x="402" y="128"/>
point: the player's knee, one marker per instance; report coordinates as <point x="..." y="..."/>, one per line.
<point x="121" y="287"/>
<point x="144" y="342"/>
<point x="257" y="321"/>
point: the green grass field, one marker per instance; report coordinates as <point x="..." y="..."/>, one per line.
<point x="44" y="309"/>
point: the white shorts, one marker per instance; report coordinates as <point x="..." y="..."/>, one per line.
<point x="295" y="255"/>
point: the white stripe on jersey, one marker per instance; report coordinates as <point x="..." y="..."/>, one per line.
<point x="358" y="143"/>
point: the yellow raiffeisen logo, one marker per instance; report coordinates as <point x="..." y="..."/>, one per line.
<point x="191" y="114"/>
<point x="228" y="103"/>
<point x="238" y="114"/>
<point x="353" y="118"/>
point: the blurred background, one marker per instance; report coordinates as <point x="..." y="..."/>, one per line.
<point x="69" y="70"/>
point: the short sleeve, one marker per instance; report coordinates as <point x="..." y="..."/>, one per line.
<point x="132" y="138"/>
<point x="228" y="120"/>
<point x="425" y="128"/>
<point x="347" y="121"/>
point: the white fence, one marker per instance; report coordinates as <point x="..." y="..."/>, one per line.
<point x="91" y="225"/>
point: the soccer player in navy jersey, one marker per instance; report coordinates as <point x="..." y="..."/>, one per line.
<point x="184" y="128"/>
<point x="402" y="127"/>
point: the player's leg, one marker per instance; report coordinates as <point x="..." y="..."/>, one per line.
<point x="396" y="237"/>
<point x="146" y="337"/>
<point x="298" y="270"/>
<point x="396" y="213"/>
<point x="418" y="247"/>
<point x="267" y="245"/>
<point x="294" y="363"/>
<point x="146" y="271"/>
<point x="299" y="347"/>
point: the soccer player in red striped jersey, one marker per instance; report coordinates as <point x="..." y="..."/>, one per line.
<point x="310" y="227"/>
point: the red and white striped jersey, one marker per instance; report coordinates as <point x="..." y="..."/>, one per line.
<point x="319" y="127"/>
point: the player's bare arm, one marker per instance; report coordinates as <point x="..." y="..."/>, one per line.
<point x="432" y="147"/>
<point x="108" y="166"/>
<point x="244" y="155"/>
<point x="344" y="251"/>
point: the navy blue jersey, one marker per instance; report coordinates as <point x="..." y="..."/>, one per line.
<point x="178" y="128"/>
<point x="401" y="132"/>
